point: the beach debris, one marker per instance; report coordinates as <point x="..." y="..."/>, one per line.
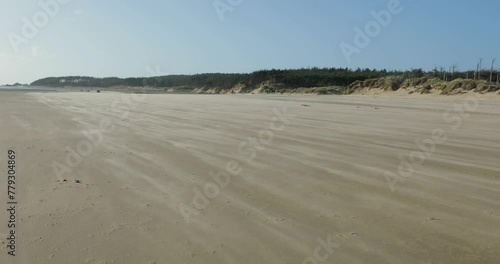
<point x="306" y="105"/>
<point x="78" y="181"/>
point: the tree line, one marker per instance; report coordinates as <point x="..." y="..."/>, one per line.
<point x="291" y="78"/>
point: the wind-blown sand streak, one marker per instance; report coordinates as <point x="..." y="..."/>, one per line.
<point x="323" y="175"/>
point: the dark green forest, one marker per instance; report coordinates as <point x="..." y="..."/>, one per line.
<point x="293" y="78"/>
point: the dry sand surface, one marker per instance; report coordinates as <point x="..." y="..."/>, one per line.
<point x="314" y="192"/>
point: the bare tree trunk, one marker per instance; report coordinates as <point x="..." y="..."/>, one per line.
<point x="477" y="72"/>
<point x="480" y="68"/>
<point x="453" y="68"/>
<point x="491" y="72"/>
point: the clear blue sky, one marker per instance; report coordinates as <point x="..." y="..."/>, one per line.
<point x="124" y="38"/>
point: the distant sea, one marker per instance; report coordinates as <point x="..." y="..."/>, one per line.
<point x="28" y="89"/>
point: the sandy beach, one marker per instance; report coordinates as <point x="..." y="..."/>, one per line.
<point x="117" y="178"/>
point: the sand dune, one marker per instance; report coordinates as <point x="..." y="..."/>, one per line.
<point x="313" y="181"/>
